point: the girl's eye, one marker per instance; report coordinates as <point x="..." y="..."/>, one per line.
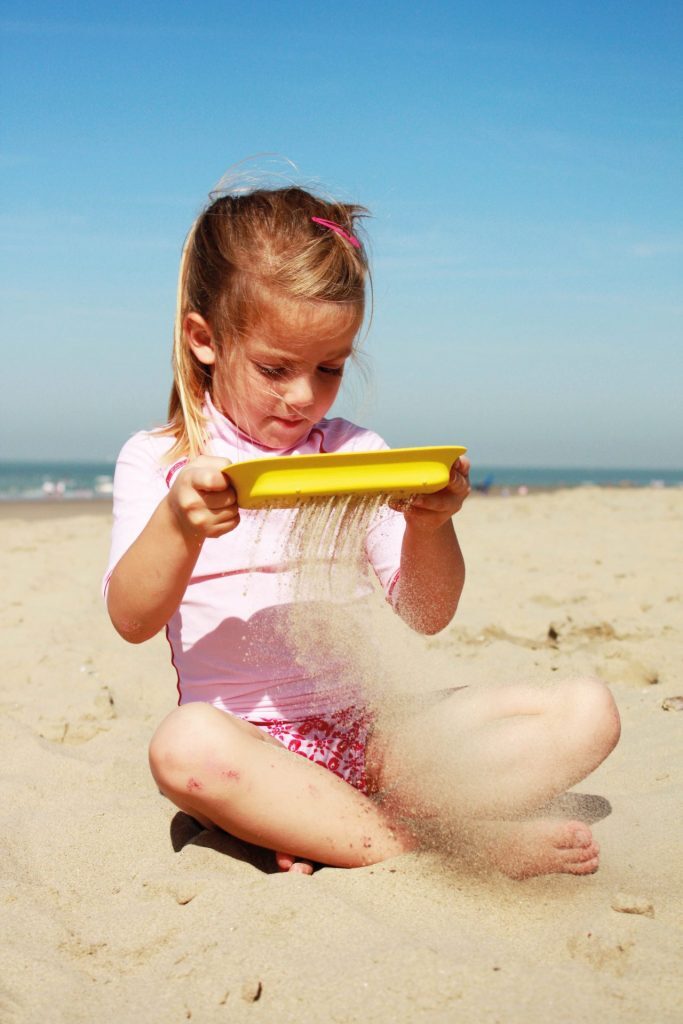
<point x="273" y="372"/>
<point x="334" y="371"/>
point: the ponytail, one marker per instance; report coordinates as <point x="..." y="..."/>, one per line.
<point x="191" y="379"/>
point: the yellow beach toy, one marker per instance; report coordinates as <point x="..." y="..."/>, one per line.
<point x="287" y="480"/>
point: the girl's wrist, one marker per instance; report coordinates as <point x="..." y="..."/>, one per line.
<point x="421" y="526"/>
<point x="179" y="524"/>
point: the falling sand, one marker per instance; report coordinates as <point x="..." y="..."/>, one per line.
<point x="326" y="543"/>
<point x="338" y="616"/>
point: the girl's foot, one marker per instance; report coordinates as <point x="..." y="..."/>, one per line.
<point x="287" y="862"/>
<point x="539" y="846"/>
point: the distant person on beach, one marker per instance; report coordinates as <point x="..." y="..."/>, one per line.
<point x="271" y="301"/>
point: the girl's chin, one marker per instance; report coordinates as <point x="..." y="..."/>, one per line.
<point x="283" y="433"/>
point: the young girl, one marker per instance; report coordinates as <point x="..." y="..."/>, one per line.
<point x="271" y="303"/>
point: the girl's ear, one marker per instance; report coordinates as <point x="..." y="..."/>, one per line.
<point x="199" y="338"/>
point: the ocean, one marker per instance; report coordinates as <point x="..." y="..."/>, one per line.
<point x="55" y="481"/>
<point x="92" y="481"/>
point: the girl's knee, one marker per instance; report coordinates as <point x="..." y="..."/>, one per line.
<point x="187" y="738"/>
<point x="595" y="711"/>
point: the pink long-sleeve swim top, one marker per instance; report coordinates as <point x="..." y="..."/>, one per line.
<point x="243" y="638"/>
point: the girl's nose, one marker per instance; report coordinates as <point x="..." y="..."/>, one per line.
<point x="299" y="392"/>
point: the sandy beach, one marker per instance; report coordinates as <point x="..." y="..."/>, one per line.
<point x="116" y="908"/>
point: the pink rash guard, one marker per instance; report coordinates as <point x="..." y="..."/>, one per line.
<point x="231" y="638"/>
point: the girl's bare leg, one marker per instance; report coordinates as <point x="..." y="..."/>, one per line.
<point x="224" y="771"/>
<point x="481" y="760"/>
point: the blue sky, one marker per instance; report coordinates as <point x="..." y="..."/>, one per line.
<point x="522" y="162"/>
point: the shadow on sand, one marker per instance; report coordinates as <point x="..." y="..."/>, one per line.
<point x="185" y="831"/>
<point x="583" y="806"/>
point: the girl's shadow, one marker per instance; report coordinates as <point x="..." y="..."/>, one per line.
<point x="185" y="831"/>
<point x="586" y="807"/>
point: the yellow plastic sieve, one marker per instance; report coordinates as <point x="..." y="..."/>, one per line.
<point x="289" y="479"/>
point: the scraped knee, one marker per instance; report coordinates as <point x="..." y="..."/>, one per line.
<point x="187" y="740"/>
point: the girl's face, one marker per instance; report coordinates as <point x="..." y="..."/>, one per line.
<point x="285" y="374"/>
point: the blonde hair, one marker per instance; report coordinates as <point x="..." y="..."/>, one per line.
<point x="241" y="251"/>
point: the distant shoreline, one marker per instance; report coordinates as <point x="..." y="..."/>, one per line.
<point x="54" y="508"/>
<point x="81" y="486"/>
<point x="63" y="508"/>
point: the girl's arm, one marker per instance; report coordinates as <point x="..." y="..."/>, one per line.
<point x="149" y="581"/>
<point x="432" y="566"/>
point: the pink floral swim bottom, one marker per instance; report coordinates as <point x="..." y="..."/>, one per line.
<point x="337" y="741"/>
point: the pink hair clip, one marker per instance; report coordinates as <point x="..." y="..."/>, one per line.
<point x="338" y="230"/>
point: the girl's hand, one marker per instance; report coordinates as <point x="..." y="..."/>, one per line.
<point x="430" y="511"/>
<point x="203" y="500"/>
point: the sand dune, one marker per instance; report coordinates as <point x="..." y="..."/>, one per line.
<point x="114" y="907"/>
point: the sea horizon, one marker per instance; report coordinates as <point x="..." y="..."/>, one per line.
<point x="90" y="480"/>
